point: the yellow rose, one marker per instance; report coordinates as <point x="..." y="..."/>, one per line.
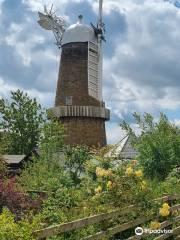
<point x="166" y="206"/>
<point x="98" y="190"/>
<point x="129" y="171"/>
<point x="109" y="173"/>
<point x="164" y="212"/>
<point x="109" y="185"/>
<point x="138" y="173"/>
<point x="101" y="172"/>
<point x="155" y="225"/>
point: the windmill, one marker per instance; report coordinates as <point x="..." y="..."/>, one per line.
<point x="79" y="104"/>
<point x="49" y="21"/>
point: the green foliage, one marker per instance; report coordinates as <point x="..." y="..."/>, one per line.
<point x="75" y="160"/>
<point x="57" y="207"/>
<point x="21" y="230"/>
<point x="158" y="144"/>
<point x="42" y="175"/>
<point x="4" y="141"/>
<point x="80" y="182"/>
<point x="51" y="140"/>
<point x="46" y="171"/>
<point x="3" y="167"/>
<point x="111" y="189"/>
<point x="21" y="119"/>
<point x="171" y="185"/>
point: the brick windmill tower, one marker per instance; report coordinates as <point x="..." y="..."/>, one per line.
<point x="78" y="104"/>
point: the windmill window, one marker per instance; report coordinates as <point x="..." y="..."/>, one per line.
<point x="68" y="100"/>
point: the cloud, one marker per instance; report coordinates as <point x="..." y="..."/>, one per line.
<point x="143" y="74"/>
<point x="114" y="133"/>
<point x="176" y="122"/>
<point x="60" y="5"/>
<point x="27" y="51"/>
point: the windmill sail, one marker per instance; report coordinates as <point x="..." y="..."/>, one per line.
<point x="45" y="22"/>
<point x="100" y="22"/>
<point x="49" y="21"/>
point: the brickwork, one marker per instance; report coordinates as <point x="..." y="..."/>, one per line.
<point x="73" y="76"/>
<point x="73" y="82"/>
<point x="84" y="131"/>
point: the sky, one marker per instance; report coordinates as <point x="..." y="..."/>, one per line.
<point x="141" y="69"/>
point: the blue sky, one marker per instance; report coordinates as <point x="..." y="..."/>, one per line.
<point x="141" y="56"/>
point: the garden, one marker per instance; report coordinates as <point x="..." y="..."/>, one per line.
<point x="62" y="184"/>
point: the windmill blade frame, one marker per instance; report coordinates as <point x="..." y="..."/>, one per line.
<point x="45" y="24"/>
<point x="49" y="21"/>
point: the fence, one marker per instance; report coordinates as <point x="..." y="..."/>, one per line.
<point x="113" y="216"/>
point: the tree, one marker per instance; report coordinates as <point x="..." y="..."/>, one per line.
<point x="21" y="119"/>
<point x="75" y="159"/>
<point x="46" y="172"/>
<point x="158" y="144"/>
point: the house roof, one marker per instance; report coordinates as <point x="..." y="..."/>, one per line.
<point x="123" y="149"/>
<point x="13" y="159"/>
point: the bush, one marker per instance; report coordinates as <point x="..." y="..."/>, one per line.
<point x="158" y="145"/>
<point x="11" y="197"/>
<point x="75" y="160"/>
<point x="3" y="167"/>
<point x="16" y="230"/>
<point x="46" y="172"/>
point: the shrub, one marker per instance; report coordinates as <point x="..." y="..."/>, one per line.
<point x="3" y="167"/>
<point x="47" y="171"/>
<point x="158" y="144"/>
<point x="16" y="230"/>
<point x="75" y="160"/>
<point x="11" y="197"/>
<point x="52" y="140"/>
<point x="57" y="208"/>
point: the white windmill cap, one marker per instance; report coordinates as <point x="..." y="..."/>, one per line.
<point x="79" y="32"/>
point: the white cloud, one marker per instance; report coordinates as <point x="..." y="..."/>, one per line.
<point x="176" y="122"/>
<point x="5" y="88"/>
<point x="144" y="70"/>
<point x="22" y="47"/>
<point x="38" y="5"/>
<point x="114" y="133"/>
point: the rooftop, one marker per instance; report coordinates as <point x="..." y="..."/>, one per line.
<point x="79" y="32"/>
<point x="13" y="159"/>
